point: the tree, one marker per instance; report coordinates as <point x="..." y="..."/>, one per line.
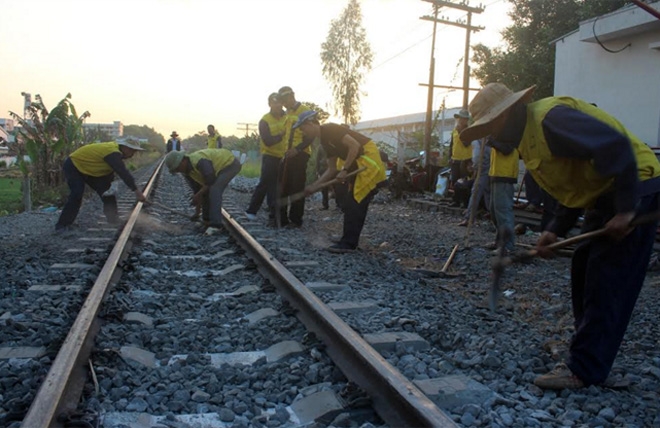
<point x="48" y="137"/>
<point x="346" y="56"/>
<point x="155" y="139"/>
<point x="528" y="57"/>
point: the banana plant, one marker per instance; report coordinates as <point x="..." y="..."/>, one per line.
<point x="48" y="137"/>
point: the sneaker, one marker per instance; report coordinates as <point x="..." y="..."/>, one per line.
<point x="341" y="248"/>
<point x="561" y="377"/>
<point x="250" y="216"/>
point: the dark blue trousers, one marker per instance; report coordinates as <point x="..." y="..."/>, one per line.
<point x="267" y="187"/>
<point x="293" y="177"/>
<point x="606" y="279"/>
<point x="355" y="213"/>
<point x="76" y="182"/>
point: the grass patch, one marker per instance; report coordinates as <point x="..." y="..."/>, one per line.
<point x="251" y="168"/>
<point x="11" y="198"/>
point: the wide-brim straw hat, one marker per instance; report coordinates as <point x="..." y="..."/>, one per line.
<point x="131" y="144"/>
<point x="492" y="101"/>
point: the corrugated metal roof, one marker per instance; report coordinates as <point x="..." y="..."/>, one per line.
<point x="406" y="119"/>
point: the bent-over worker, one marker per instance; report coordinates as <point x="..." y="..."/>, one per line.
<point x="208" y="172"/>
<point x="356" y="151"/>
<point x="584" y="158"/>
<point x="96" y="165"/>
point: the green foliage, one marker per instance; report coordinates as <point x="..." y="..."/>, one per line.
<point x="10" y="195"/>
<point x="346" y="56"/>
<point x="529" y="58"/>
<point x="47" y="137"/>
<point x="155" y="140"/>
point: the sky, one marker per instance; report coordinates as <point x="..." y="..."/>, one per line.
<point x="179" y="65"/>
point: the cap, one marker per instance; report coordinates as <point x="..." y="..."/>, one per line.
<point x="285" y="90"/>
<point x="130" y="143"/>
<point x="173" y="160"/>
<point x="273" y="97"/>
<point x="304" y="117"/>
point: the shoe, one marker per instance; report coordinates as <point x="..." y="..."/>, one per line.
<point x="250" y="216"/>
<point x="561" y="377"/>
<point x="293" y="225"/>
<point x="464" y="223"/>
<point x="341" y="248"/>
<point x="325" y="208"/>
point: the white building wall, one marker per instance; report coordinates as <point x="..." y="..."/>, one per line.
<point x="625" y="84"/>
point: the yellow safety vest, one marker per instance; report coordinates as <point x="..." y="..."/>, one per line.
<point x="502" y="165"/>
<point x="212" y="141"/>
<point x="374" y="173"/>
<point x="88" y="159"/>
<point x="458" y="151"/>
<point x="291" y="118"/>
<point x="221" y="158"/>
<point x="276" y="126"/>
<point x="575" y="183"/>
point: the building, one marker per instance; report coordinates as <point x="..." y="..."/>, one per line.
<point x="114" y="129"/>
<point x="400" y="129"/>
<point x="614" y="61"/>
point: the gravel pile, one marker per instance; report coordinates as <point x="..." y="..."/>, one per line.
<point x="505" y="350"/>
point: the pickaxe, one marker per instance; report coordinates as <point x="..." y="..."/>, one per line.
<point x="501" y="261"/>
<point x="301" y="195"/>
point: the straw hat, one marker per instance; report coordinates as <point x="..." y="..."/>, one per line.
<point x="174" y="134"/>
<point x="490" y="103"/>
<point x="130" y="143"/>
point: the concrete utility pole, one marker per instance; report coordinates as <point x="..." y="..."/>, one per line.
<point x="247" y="127"/>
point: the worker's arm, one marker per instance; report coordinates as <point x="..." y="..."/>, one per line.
<point x="264" y="132"/>
<point x="117" y="164"/>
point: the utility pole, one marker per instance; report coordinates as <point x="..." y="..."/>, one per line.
<point x="429" y="100"/>
<point x="469" y="28"/>
<point x="247" y="127"/>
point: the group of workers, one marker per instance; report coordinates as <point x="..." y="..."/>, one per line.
<point x="286" y="144"/>
<point x="580" y="155"/>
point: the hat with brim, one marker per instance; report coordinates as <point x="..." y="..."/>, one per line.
<point x="174" y="134"/>
<point x="130" y="144"/>
<point x="304" y="117"/>
<point x="173" y="160"/>
<point x="462" y="114"/>
<point x="491" y="102"/>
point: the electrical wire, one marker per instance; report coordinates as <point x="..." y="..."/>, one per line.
<point x="593" y="30"/>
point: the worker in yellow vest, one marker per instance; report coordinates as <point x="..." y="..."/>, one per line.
<point x="293" y="174"/>
<point x="213" y="140"/>
<point x="461" y="153"/>
<point x="355" y="151"/>
<point x="503" y="175"/>
<point x="586" y="159"/>
<point x="208" y="173"/>
<point x="271" y="132"/>
<point x="95" y="165"/>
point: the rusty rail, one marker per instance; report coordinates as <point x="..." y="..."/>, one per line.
<point x="62" y="386"/>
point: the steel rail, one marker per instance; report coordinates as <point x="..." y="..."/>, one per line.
<point x="61" y="389"/>
<point x="397" y="400"/>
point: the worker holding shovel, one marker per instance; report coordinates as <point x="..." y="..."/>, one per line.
<point x="357" y="153"/>
<point x="586" y="159"/>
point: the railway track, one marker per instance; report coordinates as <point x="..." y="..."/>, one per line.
<point x="162" y="335"/>
<point x="187" y="307"/>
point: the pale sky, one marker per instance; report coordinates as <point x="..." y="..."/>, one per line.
<point x="183" y="64"/>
